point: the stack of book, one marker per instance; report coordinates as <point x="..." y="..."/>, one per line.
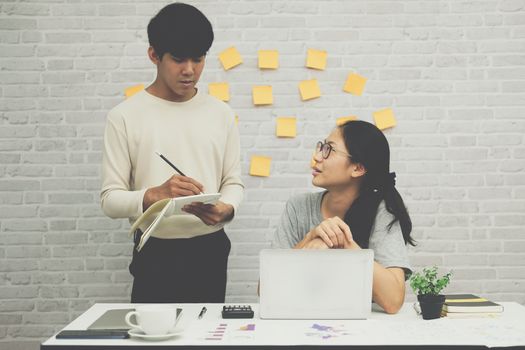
<point x="469" y="306"/>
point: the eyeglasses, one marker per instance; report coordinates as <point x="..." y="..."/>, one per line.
<point x="325" y="148"/>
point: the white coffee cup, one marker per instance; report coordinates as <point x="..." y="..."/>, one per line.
<point x="153" y="319"/>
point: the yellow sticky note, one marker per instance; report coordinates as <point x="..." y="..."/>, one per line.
<point x="286" y="127"/>
<point x="316" y="59"/>
<point x="342" y="120"/>
<point x="262" y="95"/>
<point x="133" y="90"/>
<point x="384" y="118"/>
<point x="268" y="59"/>
<point x="309" y="89"/>
<point x="219" y="90"/>
<point x="355" y="84"/>
<point x="236" y="119"/>
<point x="230" y="58"/>
<point x="260" y="166"/>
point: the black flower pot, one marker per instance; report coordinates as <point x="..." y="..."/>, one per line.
<point x="431" y="305"/>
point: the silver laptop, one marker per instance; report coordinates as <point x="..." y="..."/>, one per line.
<point x="316" y="284"/>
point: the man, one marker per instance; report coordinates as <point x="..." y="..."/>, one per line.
<point x="186" y="258"/>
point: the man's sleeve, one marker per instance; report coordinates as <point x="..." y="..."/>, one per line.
<point x="232" y="188"/>
<point x="117" y="198"/>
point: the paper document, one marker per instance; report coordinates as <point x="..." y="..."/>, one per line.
<point x="166" y="208"/>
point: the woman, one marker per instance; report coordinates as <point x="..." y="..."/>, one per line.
<point x="360" y="208"/>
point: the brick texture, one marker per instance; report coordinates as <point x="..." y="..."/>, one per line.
<point x="453" y="71"/>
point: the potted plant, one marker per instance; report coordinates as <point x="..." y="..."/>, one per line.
<point x="428" y="286"/>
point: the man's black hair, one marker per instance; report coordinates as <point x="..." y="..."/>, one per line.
<point x="180" y="30"/>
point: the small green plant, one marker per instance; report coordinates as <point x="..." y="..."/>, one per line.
<point x="428" y="283"/>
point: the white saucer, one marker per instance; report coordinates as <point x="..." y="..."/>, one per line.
<point x="134" y="332"/>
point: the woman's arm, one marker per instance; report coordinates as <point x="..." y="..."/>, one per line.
<point x="388" y="287"/>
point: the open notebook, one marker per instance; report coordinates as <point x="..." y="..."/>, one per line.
<point x="166" y="208"/>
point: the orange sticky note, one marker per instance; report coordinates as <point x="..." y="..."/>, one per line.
<point x="309" y="89"/>
<point x="260" y="166"/>
<point x="286" y="127"/>
<point x="355" y="84"/>
<point x="230" y="58"/>
<point x="219" y="90"/>
<point x="316" y="59"/>
<point x="268" y="59"/>
<point x="384" y="118"/>
<point x="133" y="90"/>
<point x="342" y="120"/>
<point x="262" y="95"/>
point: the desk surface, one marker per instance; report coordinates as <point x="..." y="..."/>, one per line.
<point x="403" y="329"/>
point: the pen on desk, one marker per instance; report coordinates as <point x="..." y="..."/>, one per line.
<point x="172" y="165"/>
<point x="203" y="311"/>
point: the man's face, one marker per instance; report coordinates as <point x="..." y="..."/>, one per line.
<point x="178" y="76"/>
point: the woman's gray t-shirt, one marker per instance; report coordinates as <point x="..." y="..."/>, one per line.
<point x="303" y="212"/>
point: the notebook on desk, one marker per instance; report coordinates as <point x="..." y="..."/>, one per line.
<point x="315" y="284"/>
<point x="112" y="319"/>
<point x="115" y="319"/>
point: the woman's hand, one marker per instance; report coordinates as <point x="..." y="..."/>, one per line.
<point x="316" y="243"/>
<point x="334" y="232"/>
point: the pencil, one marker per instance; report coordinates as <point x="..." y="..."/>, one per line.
<point x="170" y="163"/>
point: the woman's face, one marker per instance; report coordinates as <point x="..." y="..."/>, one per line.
<point x="336" y="170"/>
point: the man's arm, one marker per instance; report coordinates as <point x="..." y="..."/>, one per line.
<point x="117" y="198"/>
<point x="231" y="187"/>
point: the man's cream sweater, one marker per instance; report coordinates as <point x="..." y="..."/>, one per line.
<point x="199" y="136"/>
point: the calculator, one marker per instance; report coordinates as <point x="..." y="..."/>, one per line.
<point x="237" y="311"/>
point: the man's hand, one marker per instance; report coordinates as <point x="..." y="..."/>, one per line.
<point x="210" y="214"/>
<point x="175" y="186"/>
<point x="334" y="232"/>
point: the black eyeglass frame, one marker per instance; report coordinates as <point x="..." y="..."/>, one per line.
<point x="326" y="149"/>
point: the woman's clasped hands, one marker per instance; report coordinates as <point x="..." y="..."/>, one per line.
<point x="332" y="233"/>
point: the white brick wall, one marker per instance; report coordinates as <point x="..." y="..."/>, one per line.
<point x="452" y="70"/>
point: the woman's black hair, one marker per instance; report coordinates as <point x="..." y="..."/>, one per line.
<point x="368" y="146"/>
<point x="180" y="30"/>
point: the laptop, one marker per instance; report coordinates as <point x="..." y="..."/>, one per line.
<point x="315" y="284"/>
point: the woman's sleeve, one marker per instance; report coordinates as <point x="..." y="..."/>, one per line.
<point x="286" y="233"/>
<point x="388" y="245"/>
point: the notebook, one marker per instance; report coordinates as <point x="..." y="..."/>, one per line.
<point x="315" y="284"/>
<point x="114" y="319"/>
<point x="469" y="303"/>
<point x="166" y="208"/>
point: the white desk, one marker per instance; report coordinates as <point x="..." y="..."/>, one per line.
<point x="402" y="330"/>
